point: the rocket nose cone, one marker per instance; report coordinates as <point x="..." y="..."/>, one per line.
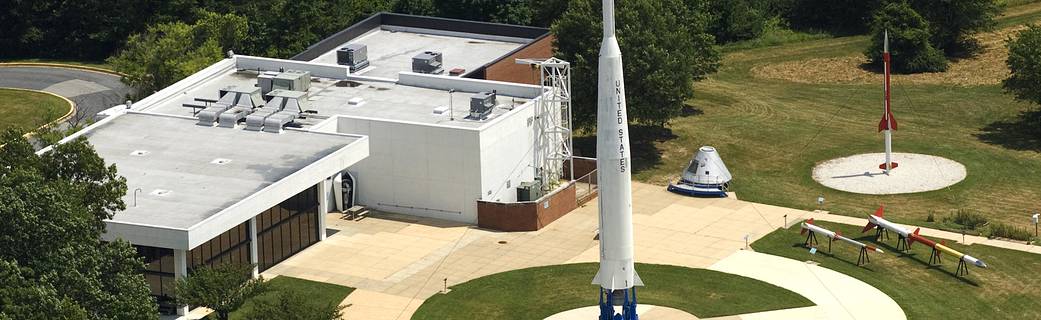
<point x="981" y="264"/>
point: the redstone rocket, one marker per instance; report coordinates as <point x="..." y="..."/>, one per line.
<point x="888" y="123"/>
<point x="617" y="276"/>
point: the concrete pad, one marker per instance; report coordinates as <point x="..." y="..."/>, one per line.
<point x="643" y="310"/>
<point x="915" y="173"/>
<point x="838" y="295"/>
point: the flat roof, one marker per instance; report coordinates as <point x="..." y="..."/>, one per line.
<point x="390" y="50"/>
<point x="330" y="97"/>
<point x="187" y="173"/>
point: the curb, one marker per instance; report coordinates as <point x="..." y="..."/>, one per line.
<point x="72" y="110"/>
<point x="61" y="65"/>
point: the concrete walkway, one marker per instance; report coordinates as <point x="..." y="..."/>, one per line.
<point x="933" y="233"/>
<point x="836" y="295"/>
<point x="396" y="262"/>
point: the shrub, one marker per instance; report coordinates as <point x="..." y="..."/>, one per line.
<point x="736" y="20"/>
<point x="971" y="220"/>
<point x="930" y="217"/>
<point x="1001" y="230"/>
<point x="908" y="41"/>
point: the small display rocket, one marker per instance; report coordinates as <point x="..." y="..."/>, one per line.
<point x="617" y="276"/>
<point x="888" y="123"/>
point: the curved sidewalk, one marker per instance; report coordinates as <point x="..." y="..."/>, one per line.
<point x="837" y="296"/>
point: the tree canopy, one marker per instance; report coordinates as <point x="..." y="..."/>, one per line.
<point x="54" y="264"/>
<point x="1024" y="62"/>
<point x="953" y="22"/>
<point x="222" y="288"/>
<point x="665" y="49"/>
<point x="908" y="40"/>
<point x="169" y="52"/>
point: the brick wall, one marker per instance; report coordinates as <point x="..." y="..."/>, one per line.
<point x="508" y="70"/>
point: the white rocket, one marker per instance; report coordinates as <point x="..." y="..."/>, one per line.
<point x="613" y="166"/>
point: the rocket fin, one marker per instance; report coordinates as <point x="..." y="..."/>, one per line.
<point x="869" y="226"/>
<point x="803" y="231"/>
<point x="911" y="239"/>
<point x="637" y="282"/>
<point x="881" y="211"/>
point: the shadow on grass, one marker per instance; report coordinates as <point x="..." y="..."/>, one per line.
<point x="833" y="256"/>
<point x="1022" y="133"/>
<point x="642" y="140"/>
<point x="938" y="267"/>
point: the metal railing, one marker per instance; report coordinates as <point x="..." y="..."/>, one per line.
<point x="586" y="187"/>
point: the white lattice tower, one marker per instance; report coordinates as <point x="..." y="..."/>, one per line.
<point x="552" y="123"/>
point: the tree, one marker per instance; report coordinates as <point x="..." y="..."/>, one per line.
<point x="222" y="288"/>
<point x="953" y="22"/>
<point x="53" y="207"/>
<point x="735" y="20"/>
<point x="1024" y="62"/>
<point x="664" y="47"/>
<point x="908" y="40"/>
<point x="290" y="304"/>
<point x="169" y="52"/>
<point x="836" y="16"/>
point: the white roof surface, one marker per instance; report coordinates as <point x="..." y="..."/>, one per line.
<point x="391" y="51"/>
<point x="175" y="164"/>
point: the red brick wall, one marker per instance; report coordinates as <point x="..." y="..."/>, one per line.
<point x="526" y="216"/>
<point x="508" y="70"/>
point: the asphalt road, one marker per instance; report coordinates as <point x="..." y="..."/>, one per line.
<point x="91" y="91"/>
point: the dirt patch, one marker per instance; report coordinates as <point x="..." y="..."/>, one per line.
<point x="986" y="68"/>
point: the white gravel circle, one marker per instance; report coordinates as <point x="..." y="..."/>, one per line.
<point x="915" y="173"/>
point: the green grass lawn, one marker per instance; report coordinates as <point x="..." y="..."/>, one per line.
<point x="772" y="132"/>
<point x="93" y="64"/>
<point x="27" y="110"/>
<point x="320" y="292"/>
<point x="1008" y="289"/>
<point x="536" y="293"/>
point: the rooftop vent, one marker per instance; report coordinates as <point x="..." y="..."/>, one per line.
<point x="481" y="105"/>
<point x="220" y="161"/>
<point x="294" y="80"/>
<point x="139" y="153"/>
<point x="353" y="55"/>
<point x="428" y="62"/>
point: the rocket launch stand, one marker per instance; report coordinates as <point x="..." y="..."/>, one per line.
<point x="935" y="257"/>
<point x="963" y="269"/>
<point x="863" y="257"/>
<point x="608" y="299"/>
<point x="902" y="244"/>
<point x="811" y="239"/>
<point x="881" y="232"/>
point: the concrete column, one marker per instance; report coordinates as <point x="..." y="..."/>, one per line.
<point x="254" y="257"/>
<point x="323" y="207"/>
<point x="181" y="271"/>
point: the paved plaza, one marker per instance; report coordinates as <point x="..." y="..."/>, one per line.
<point x="397" y="261"/>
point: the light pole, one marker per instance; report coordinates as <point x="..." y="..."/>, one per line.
<point x="1035" y="218"/>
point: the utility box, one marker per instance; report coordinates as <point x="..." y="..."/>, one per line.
<point x="481" y="104"/>
<point x="529" y="191"/>
<point x="353" y="55"/>
<point x="428" y="62"/>
<point x="291" y="80"/>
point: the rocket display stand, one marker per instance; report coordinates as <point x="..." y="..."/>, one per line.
<point x="863" y="258"/>
<point x="963" y="269"/>
<point x="935" y="257"/>
<point x="628" y="306"/>
<point x="813" y="236"/>
<point x="902" y="243"/>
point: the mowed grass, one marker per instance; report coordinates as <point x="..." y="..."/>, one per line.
<point x="26" y="110"/>
<point x="1008" y="289"/>
<point x="536" y="293"/>
<point x="771" y="133"/>
<point x="319" y="292"/>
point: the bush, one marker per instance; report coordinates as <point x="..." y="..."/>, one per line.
<point x="930" y="217"/>
<point x="1024" y="62"/>
<point x="1001" y="230"/>
<point x="908" y="41"/>
<point x="971" y="220"/>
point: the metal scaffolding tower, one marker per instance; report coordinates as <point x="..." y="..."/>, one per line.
<point x="552" y="123"/>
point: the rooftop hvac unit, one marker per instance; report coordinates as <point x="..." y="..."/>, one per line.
<point x="354" y="55"/>
<point x="428" y="62"/>
<point x="291" y="80"/>
<point x="481" y="104"/>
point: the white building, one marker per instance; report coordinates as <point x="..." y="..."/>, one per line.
<point x="207" y="194"/>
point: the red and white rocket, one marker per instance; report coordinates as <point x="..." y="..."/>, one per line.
<point x="888" y="123"/>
